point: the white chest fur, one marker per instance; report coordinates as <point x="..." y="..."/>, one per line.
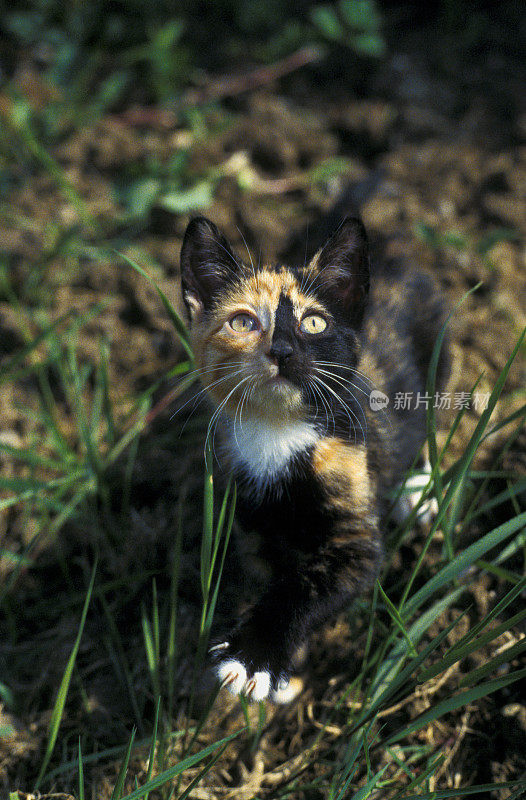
<point x="265" y="451"/>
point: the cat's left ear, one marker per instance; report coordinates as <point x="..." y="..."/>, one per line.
<point x="208" y="265"/>
<point x="343" y="267"/>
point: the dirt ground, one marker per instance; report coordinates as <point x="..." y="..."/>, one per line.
<point x="433" y="162"/>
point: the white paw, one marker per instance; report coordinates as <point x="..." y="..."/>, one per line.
<point x="233" y="676"/>
<point x="257" y="687"/>
<point x="414" y="488"/>
<point x="287" y="691"/>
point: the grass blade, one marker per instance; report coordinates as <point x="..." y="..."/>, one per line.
<point x="506" y="656"/>
<point x="453" y="703"/>
<point x="464" y="560"/>
<point x="60" y="702"/>
<point x="176" y="320"/>
<point x="395" y="616"/>
<point x="81" y="773"/>
<point x="117" y="789"/>
<point x="151" y="759"/>
<point x="177" y="769"/>
<point x="466" y="791"/>
<point x="202" y="774"/>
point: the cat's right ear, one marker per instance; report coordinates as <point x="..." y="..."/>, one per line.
<point x="208" y="264"/>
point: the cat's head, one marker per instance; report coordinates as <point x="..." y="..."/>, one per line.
<point x="263" y="337"/>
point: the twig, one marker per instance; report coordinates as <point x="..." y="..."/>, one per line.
<point x="230" y="85"/>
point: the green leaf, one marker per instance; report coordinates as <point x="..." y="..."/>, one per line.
<point x="395" y="616"/>
<point x="360" y="14"/>
<point x="492" y="238"/>
<point x="199" y="777"/>
<point x="5" y="691"/>
<point x="368" y="44"/>
<point x="465" y="791"/>
<point x="324" y="18"/>
<point x="141" y="195"/>
<point x="208" y="524"/>
<point x="81" y="773"/>
<point x="366" y="790"/>
<point x="428" y="235"/>
<point x="183" y="201"/>
<point x="469" y="642"/>
<point x="151" y="759"/>
<point x="505" y="657"/>
<point x="389" y="675"/>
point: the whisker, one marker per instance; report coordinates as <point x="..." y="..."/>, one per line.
<point x="366" y="379"/>
<point x="326" y="404"/>
<point x="305" y="385"/>
<point x="239" y="411"/>
<point x="358" y="375"/>
<point x="203" y="392"/>
<point x="238" y="264"/>
<point x="215" y="416"/>
<point x="249" y="255"/>
<point x="348" y="411"/>
<point x="337" y="378"/>
<point x="342" y="384"/>
<point x="341" y="379"/>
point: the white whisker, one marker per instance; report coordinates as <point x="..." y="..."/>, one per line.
<point x="215" y="416"/>
<point x="342" y="382"/>
<point x="348" y="411"/>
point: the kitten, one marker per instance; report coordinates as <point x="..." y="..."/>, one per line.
<point x="289" y="356"/>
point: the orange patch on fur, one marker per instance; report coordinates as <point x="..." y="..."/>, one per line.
<point x="343" y="469"/>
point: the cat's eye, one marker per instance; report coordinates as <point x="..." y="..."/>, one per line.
<point x="244" y="323"/>
<point x="313" y="323"/>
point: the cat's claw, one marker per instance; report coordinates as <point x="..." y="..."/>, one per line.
<point x="233" y="676"/>
<point x="258" y="687"/>
<point x="220" y="646"/>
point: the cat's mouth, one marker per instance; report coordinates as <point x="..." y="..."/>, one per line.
<point x="277" y="380"/>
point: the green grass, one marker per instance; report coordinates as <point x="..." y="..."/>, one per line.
<point x="68" y="478"/>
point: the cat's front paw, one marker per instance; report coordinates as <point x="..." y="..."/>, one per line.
<point x="239" y="676"/>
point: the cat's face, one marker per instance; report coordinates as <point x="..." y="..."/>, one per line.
<point x="264" y="338"/>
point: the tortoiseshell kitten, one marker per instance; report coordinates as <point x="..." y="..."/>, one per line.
<point x="289" y="356"/>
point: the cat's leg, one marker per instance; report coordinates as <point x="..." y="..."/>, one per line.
<point x="256" y="659"/>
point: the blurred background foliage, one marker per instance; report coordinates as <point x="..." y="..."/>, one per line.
<point x="102" y="54"/>
<point x="65" y="65"/>
<point x="113" y="52"/>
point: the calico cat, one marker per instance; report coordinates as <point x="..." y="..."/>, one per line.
<point x="290" y="356"/>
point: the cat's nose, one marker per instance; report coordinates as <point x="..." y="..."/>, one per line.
<point x="281" y="351"/>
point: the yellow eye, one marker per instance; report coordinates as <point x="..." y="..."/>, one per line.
<point x="244" y="323"/>
<point x="313" y="323"/>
